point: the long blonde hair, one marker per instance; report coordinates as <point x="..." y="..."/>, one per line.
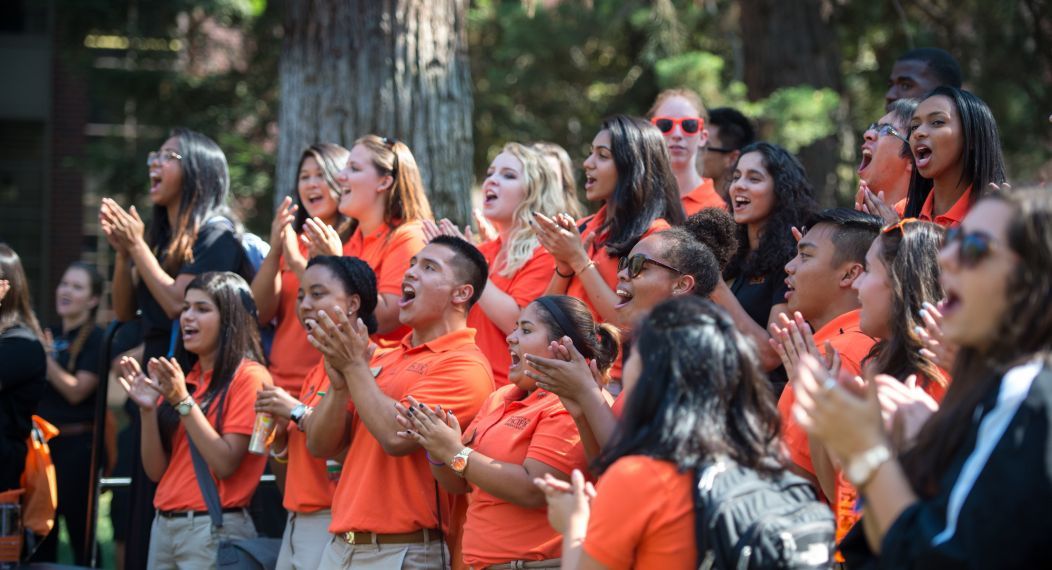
<point x="405" y="201"/>
<point x="544" y="195"/>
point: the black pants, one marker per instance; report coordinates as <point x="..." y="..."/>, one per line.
<point x="72" y="458"/>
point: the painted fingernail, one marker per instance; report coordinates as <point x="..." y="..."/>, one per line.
<point x="923" y="314"/>
<point x="918" y="330"/>
<point x="927" y="305"/>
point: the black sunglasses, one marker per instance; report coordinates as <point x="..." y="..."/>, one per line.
<point x="886" y="129"/>
<point x="972" y="247"/>
<point x="637" y="262"/>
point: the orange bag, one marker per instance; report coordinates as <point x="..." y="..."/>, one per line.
<point x="11" y="545"/>
<point x="38" y="479"/>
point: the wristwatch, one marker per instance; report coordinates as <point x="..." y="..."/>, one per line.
<point x="184" y="406"/>
<point x="298" y="412"/>
<point x="460" y="461"/>
<point x="861" y="468"/>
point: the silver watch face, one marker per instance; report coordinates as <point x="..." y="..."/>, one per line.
<point x="297" y="413"/>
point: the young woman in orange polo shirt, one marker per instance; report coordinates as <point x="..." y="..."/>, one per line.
<point x="312" y="205"/>
<point x="680" y="116"/>
<point x="519" y="181"/>
<point x="333" y="284"/>
<point x="628" y="171"/>
<point x="383" y="190"/>
<point x="210" y="408"/>
<point x="677" y="415"/>
<point x="957" y="153"/>
<point x="521" y="432"/>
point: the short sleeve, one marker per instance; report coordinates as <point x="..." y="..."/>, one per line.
<point x="624" y="504"/>
<point x="557" y="443"/>
<point x="532" y="279"/>
<point x="406" y="241"/>
<point x="216" y="249"/>
<point x="460" y="383"/>
<point x="239" y="412"/>
<point x="88" y="359"/>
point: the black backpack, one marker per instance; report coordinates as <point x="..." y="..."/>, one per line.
<point x="747" y="521"/>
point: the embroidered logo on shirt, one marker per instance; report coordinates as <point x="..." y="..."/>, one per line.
<point x="418" y="367"/>
<point x="517" y="422"/>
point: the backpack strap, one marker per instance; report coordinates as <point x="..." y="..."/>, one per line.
<point x="207" y="484"/>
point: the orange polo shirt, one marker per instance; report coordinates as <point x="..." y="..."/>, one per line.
<point x="702" y="197"/>
<point x="385" y="494"/>
<point x="643" y="516"/>
<point x="291" y="355"/>
<point x="853" y="345"/>
<point x="525" y="285"/>
<point x="307" y="485"/>
<point x="953" y="216"/>
<point x="178" y="489"/>
<point x="388" y="251"/>
<point x="513" y="427"/>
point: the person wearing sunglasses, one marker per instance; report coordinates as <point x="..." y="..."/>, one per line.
<point x="957" y="153"/>
<point x="973" y="488"/>
<point x="887" y="163"/>
<point x="680" y="115"/>
<point x="729" y="132"/>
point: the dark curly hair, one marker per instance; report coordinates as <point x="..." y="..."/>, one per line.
<point x="357" y="279"/>
<point x="715" y="228"/>
<point x="684" y="252"/>
<point x="794" y="202"/>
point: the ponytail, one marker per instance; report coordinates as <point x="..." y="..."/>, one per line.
<point x="569" y="316"/>
<point x="609" y="346"/>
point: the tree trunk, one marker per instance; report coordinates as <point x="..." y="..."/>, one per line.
<point x="792" y="42"/>
<point x="396" y="68"/>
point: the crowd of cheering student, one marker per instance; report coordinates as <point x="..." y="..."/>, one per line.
<point x="544" y="390"/>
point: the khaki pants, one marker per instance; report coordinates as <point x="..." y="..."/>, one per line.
<point x="419" y="556"/>
<point x="305" y="539"/>
<point x="188" y="542"/>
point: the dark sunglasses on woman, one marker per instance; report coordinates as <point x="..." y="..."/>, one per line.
<point x="637" y="262"/>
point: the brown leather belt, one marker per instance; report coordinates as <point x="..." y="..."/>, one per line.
<point x="192" y="514"/>
<point x="519" y="564"/>
<point x="75" y="429"/>
<point x="415" y="537"/>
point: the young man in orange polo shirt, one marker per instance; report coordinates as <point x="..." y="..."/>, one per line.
<point x="384" y="512"/>
<point x="830" y="256"/>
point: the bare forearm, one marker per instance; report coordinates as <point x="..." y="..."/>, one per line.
<point x="887" y="494"/>
<point x="558" y="285"/>
<point x="600" y="417"/>
<point x="73" y="388"/>
<point x="599" y="293"/>
<point x="222" y="453"/>
<point x="266" y="286"/>
<point x="161" y="285"/>
<point x="154" y="459"/>
<point x="328" y="431"/>
<point x="376" y="410"/>
<point x="123" y="290"/>
<point x="507" y="481"/>
<point x="449" y="480"/>
<point x="500" y="307"/>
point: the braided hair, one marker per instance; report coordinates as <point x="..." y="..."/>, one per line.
<point x="357" y="279"/>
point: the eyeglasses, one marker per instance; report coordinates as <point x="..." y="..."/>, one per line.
<point x="972" y="247"/>
<point x="637" y="262"/>
<point x="900" y="225"/>
<point x="162" y="157"/>
<point x="719" y="149"/>
<point x="689" y="125"/>
<point x="883" y="129"/>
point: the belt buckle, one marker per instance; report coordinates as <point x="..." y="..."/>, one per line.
<point x="348" y="537"/>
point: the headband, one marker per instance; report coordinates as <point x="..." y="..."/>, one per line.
<point x="563" y="321"/>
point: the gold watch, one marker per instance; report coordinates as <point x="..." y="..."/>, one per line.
<point x="460" y="461"/>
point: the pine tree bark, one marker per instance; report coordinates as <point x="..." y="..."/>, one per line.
<point x="396" y="68"/>
<point x="792" y="42"/>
